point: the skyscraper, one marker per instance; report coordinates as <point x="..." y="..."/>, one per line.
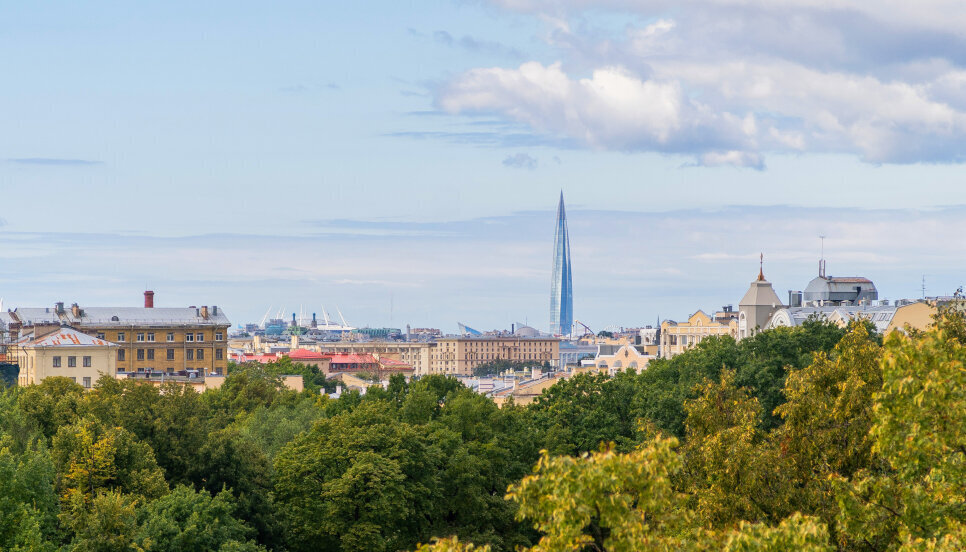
<point x="561" y="286"/>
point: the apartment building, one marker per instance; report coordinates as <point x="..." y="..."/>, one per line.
<point x="148" y="339"/>
<point x="460" y="355"/>
<point x="677" y="337"/>
<point x="48" y="351"/>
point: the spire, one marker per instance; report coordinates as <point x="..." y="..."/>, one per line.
<point x="561" y="285"/>
<point x="761" y="267"/>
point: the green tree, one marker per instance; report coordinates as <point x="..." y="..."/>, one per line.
<point x="91" y="459"/>
<point x="190" y="520"/>
<point x="918" y="498"/>
<point x="361" y="480"/>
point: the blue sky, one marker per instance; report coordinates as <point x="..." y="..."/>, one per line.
<point x="346" y="153"/>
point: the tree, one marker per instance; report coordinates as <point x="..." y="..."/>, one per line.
<point x="91" y="459"/>
<point x="361" y="480"/>
<point x="919" y="429"/>
<point x="107" y="524"/>
<point x="190" y="520"/>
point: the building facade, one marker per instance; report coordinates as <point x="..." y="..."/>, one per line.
<point x="148" y="339"/>
<point x="460" y="355"/>
<point x="677" y="337"/>
<point x="49" y="351"/>
<point x="757" y="307"/>
<point x="561" y="284"/>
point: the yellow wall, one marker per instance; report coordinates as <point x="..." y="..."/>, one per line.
<point x="37" y="363"/>
<point x="128" y="341"/>
<point x="679" y="337"/>
<point x="916" y="315"/>
<point x="461" y="355"/>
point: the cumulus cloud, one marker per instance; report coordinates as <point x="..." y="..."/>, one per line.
<point x="520" y="161"/>
<point x="728" y="81"/>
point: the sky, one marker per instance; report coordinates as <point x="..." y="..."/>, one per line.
<point x="402" y="160"/>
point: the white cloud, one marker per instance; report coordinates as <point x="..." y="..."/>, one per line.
<point x="729" y="81"/>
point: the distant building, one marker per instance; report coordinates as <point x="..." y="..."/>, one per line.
<point x="148" y="339"/>
<point x="627" y="357"/>
<point x="46" y="351"/>
<point x="561" y="284"/>
<point x="835" y="290"/>
<point x="460" y="355"/>
<point x="757" y="306"/>
<point x="885" y="318"/>
<point x="677" y="337"/>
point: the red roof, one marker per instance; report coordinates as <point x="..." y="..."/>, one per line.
<point x="338" y="358"/>
<point x="394" y="362"/>
<point x="305" y="354"/>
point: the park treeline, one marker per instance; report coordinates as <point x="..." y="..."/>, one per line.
<point x="806" y="438"/>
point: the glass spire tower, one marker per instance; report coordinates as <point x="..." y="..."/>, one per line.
<point x="561" y="286"/>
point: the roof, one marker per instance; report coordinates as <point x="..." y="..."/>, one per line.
<point x="66" y="337"/>
<point x="305" y="354"/>
<point x="850" y="280"/>
<point x="760" y="293"/>
<point x="338" y="358"/>
<point x="123" y="316"/>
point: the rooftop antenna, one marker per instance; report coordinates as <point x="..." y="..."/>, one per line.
<point x="821" y="262"/>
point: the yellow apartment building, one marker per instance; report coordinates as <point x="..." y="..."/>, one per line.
<point x="677" y="337"/>
<point x="50" y="351"/>
<point x="460" y="355"/>
<point x="148" y="339"/>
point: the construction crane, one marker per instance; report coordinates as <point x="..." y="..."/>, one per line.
<point x="585" y="326"/>
<point x="264" y="318"/>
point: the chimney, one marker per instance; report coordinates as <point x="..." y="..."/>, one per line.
<point x="204" y="312"/>
<point x="214" y="310"/>
<point x="59" y="307"/>
<point x="75" y="310"/>
<point x="149" y="299"/>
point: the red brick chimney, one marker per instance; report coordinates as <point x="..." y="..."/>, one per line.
<point x="149" y="299"/>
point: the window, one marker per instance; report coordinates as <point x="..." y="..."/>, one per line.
<point x="170" y="354"/>
<point x="100" y="335"/>
<point x="201" y="354"/>
<point x="189" y="336"/>
<point x="140" y="354"/>
<point x="140" y="336"/>
<point x="120" y="354"/>
<point x="150" y="336"/>
<point x="219" y="354"/>
<point x="56" y="360"/>
<point x="219" y="336"/>
<point x="87" y="362"/>
<point x="189" y="354"/>
<point x="150" y="354"/>
<point x="72" y="362"/>
<point x="170" y="337"/>
<point x="120" y="336"/>
<point x="200" y="337"/>
<point x="87" y="382"/>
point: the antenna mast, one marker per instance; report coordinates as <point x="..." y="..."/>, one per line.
<point x="821" y="261"/>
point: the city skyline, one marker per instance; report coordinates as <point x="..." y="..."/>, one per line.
<point x="701" y="262"/>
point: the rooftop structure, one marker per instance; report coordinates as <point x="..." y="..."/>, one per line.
<point x="836" y="290"/>
<point x="561" y="284"/>
<point x="757" y="306"/>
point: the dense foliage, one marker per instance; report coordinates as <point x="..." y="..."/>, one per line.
<point x="806" y="438"/>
